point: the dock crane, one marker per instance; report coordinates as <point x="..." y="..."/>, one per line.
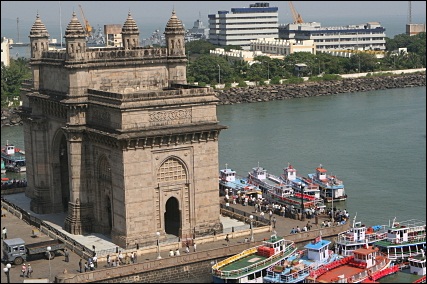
<point x="88" y="27"/>
<point x="297" y="17"/>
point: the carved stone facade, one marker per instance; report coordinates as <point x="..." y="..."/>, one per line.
<point x="118" y="140"/>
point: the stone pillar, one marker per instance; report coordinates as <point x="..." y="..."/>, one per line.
<point x="74" y="221"/>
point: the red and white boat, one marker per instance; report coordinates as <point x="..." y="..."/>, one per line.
<point x="359" y="267"/>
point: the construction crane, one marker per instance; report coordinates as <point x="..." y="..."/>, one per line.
<point x="297" y="17"/>
<point x="88" y="27"/>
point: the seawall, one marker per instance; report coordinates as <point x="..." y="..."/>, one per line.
<point x="321" y="88"/>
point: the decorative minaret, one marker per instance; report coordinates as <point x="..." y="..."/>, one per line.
<point x="174" y="35"/>
<point x="75" y="40"/>
<point x="39" y="39"/>
<point x="130" y="33"/>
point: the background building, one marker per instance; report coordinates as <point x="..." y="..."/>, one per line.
<point x="369" y="36"/>
<point x="414" y="29"/>
<point x="5" y="51"/>
<point x="243" y="25"/>
<point x="275" y="46"/>
<point x="113" y="35"/>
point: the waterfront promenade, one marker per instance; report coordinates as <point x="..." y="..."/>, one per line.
<point x="18" y="228"/>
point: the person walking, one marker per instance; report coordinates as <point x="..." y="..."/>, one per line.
<point x="177" y="252"/>
<point x="171" y="253"/>
<point x="29" y="270"/>
<point x="187" y="248"/>
<point x="67" y="255"/>
<point x="274" y="222"/>
<point x="95" y="261"/>
<point x="108" y="260"/>
<point x="194" y="246"/>
<point x="120" y="258"/>
<point x="4" y="233"/>
<point x="227" y="239"/>
<point x="132" y="257"/>
<point x="86" y="266"/>
<point x="80" y="265"/>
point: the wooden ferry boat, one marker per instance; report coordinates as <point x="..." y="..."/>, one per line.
<point x="14" y="158"/>
<point x="331" y="188"/>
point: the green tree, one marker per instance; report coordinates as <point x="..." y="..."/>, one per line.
<point x="11" y="79"/>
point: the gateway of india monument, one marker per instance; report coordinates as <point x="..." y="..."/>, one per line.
<point x="117" y="139"/>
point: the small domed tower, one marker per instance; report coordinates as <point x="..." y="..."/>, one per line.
<point x="39" y="39"/>
<point x="75" y="39"/>
<point x="174" y="35"/>
<point x="130" y="33"/>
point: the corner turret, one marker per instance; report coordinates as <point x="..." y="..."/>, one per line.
<point x="130" y="33"/>
<point x="174" y="35"/>
<point x="39" y="38"/>
<point x="75" y="39"/>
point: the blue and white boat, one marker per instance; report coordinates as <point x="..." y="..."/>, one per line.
<point x="298" y="267"/>
<point x="232" y="185"/>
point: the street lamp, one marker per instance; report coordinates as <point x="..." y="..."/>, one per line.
<point x="7" y="271"/>
<point x="301" y="186"/>
<point x="251" y="218"/>
<point x="48" y="255"/>
<point x="158" y="245"/>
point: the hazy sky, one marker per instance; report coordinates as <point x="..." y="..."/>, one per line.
<point x="147" y="13"/>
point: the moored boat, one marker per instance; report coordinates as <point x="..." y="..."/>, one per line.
<point x="357" y="236"/>
<point x="250" y="266"/>
<point x="331" y="188"/>
<point x="356" y="268"/>
<point x="232" y="185"/>
<point x="299" y="266"/>
<point x="277" y="191"/>
<point x="300" y="184"/>
<point x="14" y="158"/>
<point x="413" y="271"/>
<point x="404" y="239"/>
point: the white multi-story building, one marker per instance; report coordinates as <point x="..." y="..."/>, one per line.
<point x="5" y="52"/>
<point x="369" y="36"/>
<point x="282" y="46"/>
<point x="243" y="25"/>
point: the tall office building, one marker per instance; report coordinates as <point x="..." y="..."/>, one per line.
<point x="242" y="25"/>
<point x="368" y="36"/>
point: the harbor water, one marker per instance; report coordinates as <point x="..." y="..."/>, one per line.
<point x="374" y="141"/>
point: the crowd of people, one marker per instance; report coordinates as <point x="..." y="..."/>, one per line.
<point x="7" y="183"/>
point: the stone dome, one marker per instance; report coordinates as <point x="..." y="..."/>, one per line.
<point x="174" y="25"/>
<point x="38" y="29"/>
<point x="74" y="28"/>
<point x="130" y="26"/>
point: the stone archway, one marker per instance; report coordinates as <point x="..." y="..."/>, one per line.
<point x="172" y="217"/>
<point x="60" y="192"/>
